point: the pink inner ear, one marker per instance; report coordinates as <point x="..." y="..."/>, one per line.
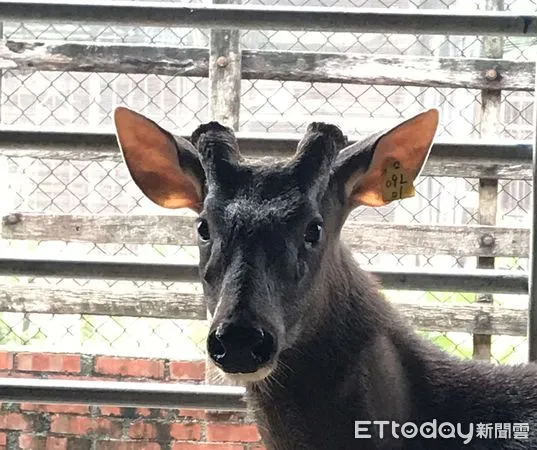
<point x="366" y="192"/>
<point x="409" y="143"/>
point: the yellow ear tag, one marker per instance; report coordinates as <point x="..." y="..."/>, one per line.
<point x="397" y="184"/>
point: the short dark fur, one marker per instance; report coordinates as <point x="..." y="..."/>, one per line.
<point x="344" y="352"/>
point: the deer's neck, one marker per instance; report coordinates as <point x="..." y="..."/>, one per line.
<point x="348" y="342"/>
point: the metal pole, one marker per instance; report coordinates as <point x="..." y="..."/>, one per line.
<point x="116" y="269"/>
<point x="103" y="145"/>
<point x="120" y="393"/>
<point x="496" y="281"/>
<point x="532" y="272"/>
<point x="163" y="14"/>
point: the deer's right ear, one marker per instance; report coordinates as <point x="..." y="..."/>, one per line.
<point x="166" y="169"/>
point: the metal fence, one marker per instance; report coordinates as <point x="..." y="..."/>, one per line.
<point x="73" y="100"/>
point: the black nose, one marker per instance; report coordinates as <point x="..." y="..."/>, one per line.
<point x="239" y="348"/>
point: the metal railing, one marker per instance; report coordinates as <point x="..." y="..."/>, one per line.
<point x="274" y="18"/>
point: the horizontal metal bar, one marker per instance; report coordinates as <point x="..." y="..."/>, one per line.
<point x="253" y="144"/>
<point x="121" y="393"/>
<point x="493" y="281"/>
<point x="108" y="270"/>
<point x="274" y="18"/>
<point x="509" y="160"/>
<point x="461" y="280"/>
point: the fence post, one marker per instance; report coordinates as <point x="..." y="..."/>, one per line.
<point x="224" y="106"/>
<point x="225" y="75"/>
<point x="1" y="72"/>
<point x="532" y="263"/>
<point x="488" y="188"/>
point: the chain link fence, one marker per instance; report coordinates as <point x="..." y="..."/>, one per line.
<point x="68" y="100"/>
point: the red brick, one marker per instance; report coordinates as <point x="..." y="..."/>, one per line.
<point x="143" y="412"/>
<point x="258" y="447"/>
<point x="205" y="446"/>
<point x="193" y="413"/>
<point x="111" y="411"/>
<point x="32" y="442"/>
<point x="81" y="425"/>
<point x="187" y="370"/>
<point x="128" y="445"/>
<point x="143" y="430"/>
<point x="15" y="421"/>
<point x="232" y="432"/>
<point x="150" y="430"/>
<point x="186" y="431"/>
<point x="48" y="362"/>
<point x="154" y="413"/>
<point x="126" y="367"/>
<point x="58" y="409"/>
<point x="3" y="439"/>
<point x="78" y="444"/>
<point x="225" y="416"/>
<point x="57" y="443"/>
<point x="6" y="361"/>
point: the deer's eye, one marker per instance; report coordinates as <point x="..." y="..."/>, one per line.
<point x="313" y="233"/>
<point x="203" y="230"/>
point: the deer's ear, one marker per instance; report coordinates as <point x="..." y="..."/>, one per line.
<point x="384" y="170"/>
<point x="166" y="169"/>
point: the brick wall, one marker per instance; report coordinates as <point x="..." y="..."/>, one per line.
<point x="29" y="426"/>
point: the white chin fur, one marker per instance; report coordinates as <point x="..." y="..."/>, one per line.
<point x="248" y="377"/>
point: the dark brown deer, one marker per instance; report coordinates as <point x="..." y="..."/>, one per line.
<point x="318" y="347"/>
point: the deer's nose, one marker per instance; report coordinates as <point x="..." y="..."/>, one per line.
<point x="240" y="349"/>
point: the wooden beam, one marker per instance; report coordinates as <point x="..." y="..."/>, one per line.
<point x="225" y="76"/>
<point x="270" y="65"/>
<point x="471" y="240"/>
<point x="466" y="318"/>
<point x="104" y="58"/>
<point x="388" y="70"/>
<point x="470" y="318"/>
<point x="106" y="302"/>
<point x="478" y="159"/>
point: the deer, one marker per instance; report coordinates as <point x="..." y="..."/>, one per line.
<point x="327" y="362"/>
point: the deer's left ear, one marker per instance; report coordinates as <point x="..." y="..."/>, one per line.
<point x="377" y="171"/>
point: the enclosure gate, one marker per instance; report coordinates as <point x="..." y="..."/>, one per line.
<point x="225" y="67"/>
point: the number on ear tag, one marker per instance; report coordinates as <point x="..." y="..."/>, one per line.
<point x="397" y="184"/>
